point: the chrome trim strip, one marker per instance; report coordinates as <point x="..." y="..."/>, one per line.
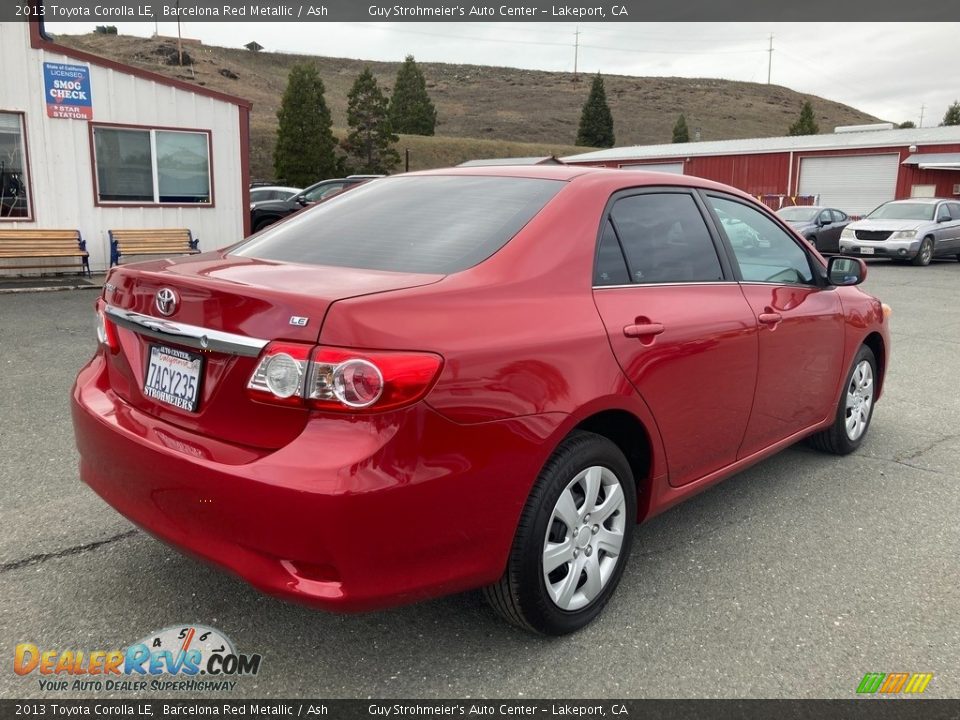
<point x="183" y="334"/>
<point x="665" y="284"/>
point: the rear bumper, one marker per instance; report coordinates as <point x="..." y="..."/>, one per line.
<point x="354" y="514"/>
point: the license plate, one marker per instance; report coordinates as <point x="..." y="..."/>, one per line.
<point x="866" y="251"/>
<point x="173" y="377"/>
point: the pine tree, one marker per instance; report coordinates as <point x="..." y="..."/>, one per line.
<point x="953" y="114"/>
<point x="305" y="143"/>
<point x="411" y="110"/>
<point x="680" y="132"/>
<point x="371" y="138"/>
<point x="805" y="124"/>
<point x="596" y="122"/>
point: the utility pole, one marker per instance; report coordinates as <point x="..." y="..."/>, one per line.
<point x="576" y="49"/>
<point x="770" y="59"/>
<point x="922" y="108"/>
<point x="179" y="40"/>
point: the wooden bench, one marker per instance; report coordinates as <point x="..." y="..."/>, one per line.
<point x="17" y="244"/>
<point x="164" y="241"/>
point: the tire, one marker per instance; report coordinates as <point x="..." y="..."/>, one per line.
<point x="924" y="254"/>
<point x="857" y="401"/>
<point x="813" y="242"/>
<point x="264" y="222"/>
<point x="586" y="574"/>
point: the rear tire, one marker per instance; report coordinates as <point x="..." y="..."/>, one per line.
<point x="265" y="222"/>
<point x="855" y="409"/>
<point x="924" y="254"/>
<point x="579" y="519"/>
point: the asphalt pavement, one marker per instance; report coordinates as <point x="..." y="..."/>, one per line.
<point x="792" y="579"/>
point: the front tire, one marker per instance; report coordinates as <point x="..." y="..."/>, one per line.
<point x="855" y="409"/>
<point x="924" y="254"/>
<point x="572" y="541"/>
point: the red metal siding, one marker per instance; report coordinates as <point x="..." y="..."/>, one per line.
<point x="755" y="174"/>
<point x="767" y="173"/>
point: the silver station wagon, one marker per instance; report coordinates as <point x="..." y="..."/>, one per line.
<point x="917" y="230"/>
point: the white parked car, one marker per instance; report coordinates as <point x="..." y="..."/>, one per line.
<point x="917" y="230"/>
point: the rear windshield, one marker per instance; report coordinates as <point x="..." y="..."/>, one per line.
<point x="428" y="224"/>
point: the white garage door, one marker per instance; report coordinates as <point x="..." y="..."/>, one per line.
<point x="675" y="168"/>
<point x="854" y="184"/>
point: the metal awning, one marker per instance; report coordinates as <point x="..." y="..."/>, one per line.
<point x="934" y="161"/>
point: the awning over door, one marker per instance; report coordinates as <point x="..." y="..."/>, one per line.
<point x="934" y="161"/>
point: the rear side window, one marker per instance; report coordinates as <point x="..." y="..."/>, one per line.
<point x="428" y="224"/>
<point x="611" y="268"/>
<point x="665" y="239"/>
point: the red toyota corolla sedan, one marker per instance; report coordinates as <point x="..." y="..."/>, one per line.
<point x="469" y="378"/>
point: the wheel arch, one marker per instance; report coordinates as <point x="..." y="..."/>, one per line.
<point x="875" y="342"/>
<point x="625" y="430"/>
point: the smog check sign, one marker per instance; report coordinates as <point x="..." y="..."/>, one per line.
<point x="67" y="91"/>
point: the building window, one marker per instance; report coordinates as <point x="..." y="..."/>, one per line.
<point x="14" y="187"/>
<point x="143" y="166"/>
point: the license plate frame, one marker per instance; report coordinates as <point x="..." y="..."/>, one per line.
<point x="174" y="388"/>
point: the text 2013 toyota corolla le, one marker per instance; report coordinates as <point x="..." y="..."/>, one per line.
<point x="468" y="378"/>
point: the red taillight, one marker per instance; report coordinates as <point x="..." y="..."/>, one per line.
<point x="342" y="380"/>
<point x="106" y="331"/>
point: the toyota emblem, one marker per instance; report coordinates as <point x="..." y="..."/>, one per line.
<point x="166" y="302"/>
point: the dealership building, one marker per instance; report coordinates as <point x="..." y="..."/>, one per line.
<point x="93" y="145"/>
<point x="854" y="169"/>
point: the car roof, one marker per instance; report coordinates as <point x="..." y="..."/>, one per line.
<point x="612" y="177"/>
<point x="276" y="187"/>
<point x="922" y="201"/>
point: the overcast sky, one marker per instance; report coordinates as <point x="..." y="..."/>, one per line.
<point x="889" y="70"/>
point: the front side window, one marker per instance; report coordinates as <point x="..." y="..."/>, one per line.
<point x="764" y="251"/>
<point x="14" y="188"/>
<point x="152" y="166"/>
<point x="665" y="239"/>
<point x="943" y="213"/>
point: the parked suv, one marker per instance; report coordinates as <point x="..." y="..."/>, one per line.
<point x="917" y="230"/>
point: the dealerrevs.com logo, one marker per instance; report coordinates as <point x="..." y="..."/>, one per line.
<point x="193" y="658"/>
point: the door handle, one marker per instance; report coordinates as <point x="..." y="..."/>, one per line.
<point x="640" y="330"/>
<point x="770" y="318"/>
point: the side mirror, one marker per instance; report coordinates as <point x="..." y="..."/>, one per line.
<point x="943" y="218"/>
<point x="846" y="270"/>
<point x="821" y="221"/>
<point x="302" y="200"/>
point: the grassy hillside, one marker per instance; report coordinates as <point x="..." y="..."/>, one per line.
<point x="486" y="111"/>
